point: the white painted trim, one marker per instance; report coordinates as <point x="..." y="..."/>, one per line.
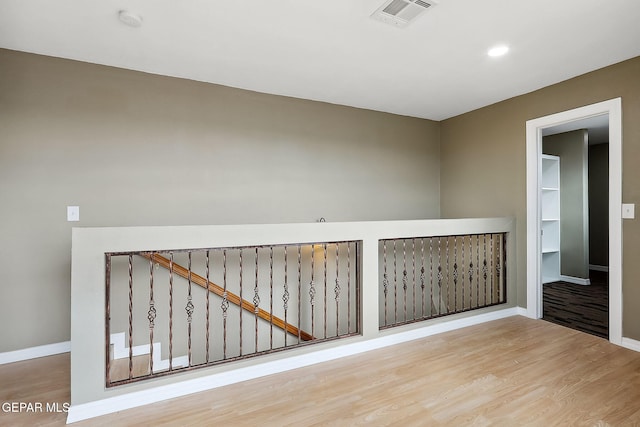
<point x="630" y="344"/>
<point x="522" y="311"/>
<point x="615" y="221"/>
<point x="595" y="267"/>
<point x="35" y="352"/>
<point x="534" y="257"/>
<point x="131" y="400"/>
<point x="575" y="280"/>
<point x="534" y="129"/>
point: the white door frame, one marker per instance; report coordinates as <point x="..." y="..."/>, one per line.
<point x="534" y="129"/>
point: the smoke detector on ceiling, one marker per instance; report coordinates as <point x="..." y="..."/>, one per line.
<point x="400" y="13"/>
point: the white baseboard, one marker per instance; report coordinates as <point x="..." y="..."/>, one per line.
<point x="575" y="280"/>
<point x="604" y="268"/>
<point x="35" y="352"/>
<point x="139" y="398"/>
<point x="630" y="344"/>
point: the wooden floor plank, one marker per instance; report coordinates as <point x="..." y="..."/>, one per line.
<point x="514" y="371"/>
<point x="585" y="308"/>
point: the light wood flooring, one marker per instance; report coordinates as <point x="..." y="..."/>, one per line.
<point x="509" y="372"/>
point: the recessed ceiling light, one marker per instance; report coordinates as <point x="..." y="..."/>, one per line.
<point x="130" y="19"/>
<point x="498" y="50"/>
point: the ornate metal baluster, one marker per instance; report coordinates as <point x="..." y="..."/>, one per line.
<point x="207" y="332"/>
<point x="349" y="288"/>
<point x="107" y="319"/>
<point x="485" y="267"/>
<point x="413" y="268"/>
<point x="432" y="306"/>
<point x="285" y="295"/>
<point x="170" y="311"/>
<point x="503" y="289"/>
<point x="151" y="314"/>
<point x="271" y="297"/>
<point x="462" y="271"/>
<point x="441" y="276"/>
<point x="312" y="290"/>
<point x="240" y="295"/>
<point x="337" y="289"/>
<point x="324" y="306"/>
<point x="299" y="293"/>
<point x="477" y="270"/>
<point x="256" y="303"/>
<point x="395" y="283"/>
<point x="448" y="307"/>
<point x="455" y="273"/>
<point x="470" y="275"/>
<point x="189" y="309"/>
<point x="422" y="278"/>
<point x="499" y="267"/>
<point x="491" y="275"/>
<point x="130" y="316"/>
<point x="225" y="303"/>
<point x="404" y="277"/>
<point x="385" y="279"/>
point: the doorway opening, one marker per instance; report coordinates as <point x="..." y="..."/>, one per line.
<point x="535" y="129"/>
<point x="575" y="225"/>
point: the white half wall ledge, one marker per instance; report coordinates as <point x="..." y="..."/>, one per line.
<point x="89" y="395"/>
<point x="35" y="352"/>
<point x="132" y="400"/>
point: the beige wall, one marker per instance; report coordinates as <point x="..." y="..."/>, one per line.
<point x="136" y="149"/>
<point x="493" y="139"/>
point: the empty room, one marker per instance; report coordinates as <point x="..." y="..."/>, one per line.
<point x="317" y="213"/>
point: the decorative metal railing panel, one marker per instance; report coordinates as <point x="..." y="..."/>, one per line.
<point x="427" y="277"/>
<point x="172" y="311"/>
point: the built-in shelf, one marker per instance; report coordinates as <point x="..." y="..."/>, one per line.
<point x="550" y="226"/>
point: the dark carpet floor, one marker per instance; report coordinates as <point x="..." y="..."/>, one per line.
<point x="585" y="308"/>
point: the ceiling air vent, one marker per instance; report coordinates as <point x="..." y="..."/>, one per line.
<point x="401" y="12"/>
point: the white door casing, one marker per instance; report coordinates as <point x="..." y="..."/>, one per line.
<point x="534" y="129"/>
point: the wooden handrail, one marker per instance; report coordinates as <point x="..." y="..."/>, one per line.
<point x="231" y="297"/>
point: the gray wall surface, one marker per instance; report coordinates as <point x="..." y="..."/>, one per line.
<point x="572" y="149"/>
<point x="599" y="205"/>
<point x="137" y="149"/>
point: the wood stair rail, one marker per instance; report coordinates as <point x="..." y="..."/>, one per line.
<point x="231" y="297"/>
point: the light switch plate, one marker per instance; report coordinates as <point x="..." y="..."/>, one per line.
<point x="628" y="210"/>
<point x="73" y="213"/>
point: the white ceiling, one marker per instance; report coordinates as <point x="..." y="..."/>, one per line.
<point x="332" y="51"/>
